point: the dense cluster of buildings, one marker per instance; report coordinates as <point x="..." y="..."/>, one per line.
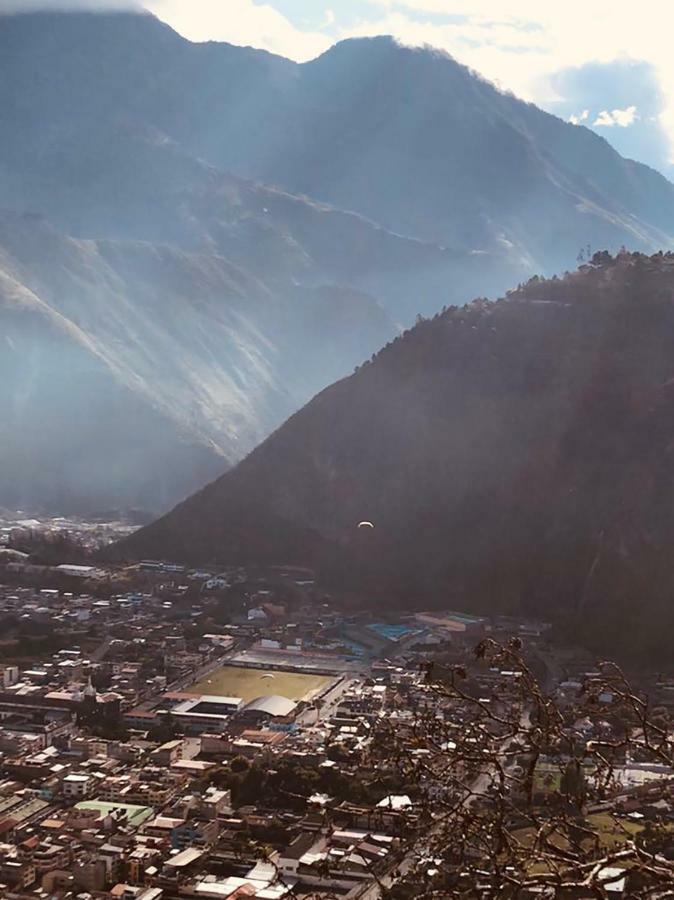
<point x="129" y="769"/>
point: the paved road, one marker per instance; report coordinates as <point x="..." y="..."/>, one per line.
<point x="333" y="697"/>
<point x="100" y="652"/>
<point x="330" y="701"/>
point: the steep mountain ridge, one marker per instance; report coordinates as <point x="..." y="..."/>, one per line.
<point x="297" y="280"/>
<point x="476" y="164"/>
<point x="407" y="137"/>
<point x="74" y="437"/>
<point x="512" y="455"/>
<point x="134" y="183"/>
<point x="189" y="344"/>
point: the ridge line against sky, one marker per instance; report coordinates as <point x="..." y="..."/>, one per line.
<point x="595" y="63"/>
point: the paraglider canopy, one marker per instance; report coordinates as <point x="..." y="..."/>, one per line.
<point x="365" y="525"/>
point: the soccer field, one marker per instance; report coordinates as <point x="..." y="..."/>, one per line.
<point x="237" y="681"/>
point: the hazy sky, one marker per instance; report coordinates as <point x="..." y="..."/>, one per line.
<point x="607" y="65"/>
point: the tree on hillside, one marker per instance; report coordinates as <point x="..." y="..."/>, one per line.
<point x="521" y="804"/>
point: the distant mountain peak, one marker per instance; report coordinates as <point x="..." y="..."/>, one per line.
<point x="370" y="53"/>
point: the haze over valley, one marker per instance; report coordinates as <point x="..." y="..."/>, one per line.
<point x="199" y="237"/>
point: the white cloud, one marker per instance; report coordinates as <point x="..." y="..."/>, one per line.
<point x="620" y="117"/>
<point x="240" y="22"/>
<point x="581" y="117"/>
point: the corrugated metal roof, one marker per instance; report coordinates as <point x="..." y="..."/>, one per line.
<point x="185" y="858"/>
<point x="273" y="704"/>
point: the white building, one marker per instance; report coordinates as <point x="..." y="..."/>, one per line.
<point x="77" y="787"/>
<point x="10" y="676"/>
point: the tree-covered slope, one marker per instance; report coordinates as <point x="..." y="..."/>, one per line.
<point x="514" y="455"/>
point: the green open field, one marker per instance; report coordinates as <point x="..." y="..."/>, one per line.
<point x="137" y="814"/>
<point x="236" y="681"/>
<point x="612" y="831"/>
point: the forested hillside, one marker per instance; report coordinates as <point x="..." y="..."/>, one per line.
<point x="512" y="456"/>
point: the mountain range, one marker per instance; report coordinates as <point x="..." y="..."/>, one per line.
<point x="133" y="371"/>
<point x="407" y="137"/>
<point x="512" y="455"/>
<point x="199" y="237"/>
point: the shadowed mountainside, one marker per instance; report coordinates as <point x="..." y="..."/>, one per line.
<point x="514" y="455"/>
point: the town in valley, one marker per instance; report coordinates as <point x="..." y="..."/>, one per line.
<point x="168" y="732"/>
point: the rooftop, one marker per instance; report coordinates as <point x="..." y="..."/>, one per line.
<point x="272" y="704"/>
<point x="136" y="815"/>
<point x="186" y="858"/>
